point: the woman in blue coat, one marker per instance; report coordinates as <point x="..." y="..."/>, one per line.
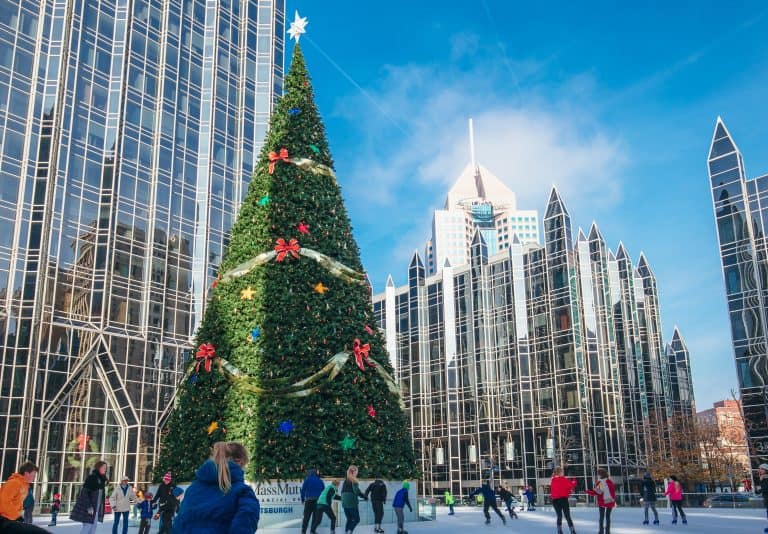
<point x="219" y="501"/>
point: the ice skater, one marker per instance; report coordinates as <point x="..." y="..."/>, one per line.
<point x="648" y="494"/>
<point x="605" y="492"/>
<point x="561" y="489"/>
<point x="489" y="501"/>
<point x="675" y="494"/>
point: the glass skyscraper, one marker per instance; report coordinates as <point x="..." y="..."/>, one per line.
<point x="741" y="212"/>
<point x="128" y="134"/>
<point x="534" y="356"/>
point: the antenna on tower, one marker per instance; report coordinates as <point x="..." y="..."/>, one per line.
<point x="472" y="145"/>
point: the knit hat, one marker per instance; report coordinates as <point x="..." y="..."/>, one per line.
<point x="406" y="485"/>
<point x="167" y="477"/>
<point x="125" y="477"/>
<point x="763" y="467"/>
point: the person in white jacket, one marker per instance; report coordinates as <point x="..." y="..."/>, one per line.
<point x="121" y="500"/>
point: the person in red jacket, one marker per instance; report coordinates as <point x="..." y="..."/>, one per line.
<point x="560" y="489"/>
<point x="606" y="499"/>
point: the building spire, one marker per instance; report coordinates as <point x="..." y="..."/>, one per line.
<point x="472" y="145"/>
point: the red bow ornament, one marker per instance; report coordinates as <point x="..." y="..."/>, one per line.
<point x="205" y="354"/>
<point x="283" y="249"/>
<point x="361" y="354"/>
<point x="82" y="441"/>
<point x="274" y="157"/>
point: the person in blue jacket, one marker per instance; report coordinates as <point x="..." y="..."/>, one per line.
<point x="311" y="489"/>
<point x="219" y="500"/>
<point x="489" y="501"/>
<point x="400" y="501"/>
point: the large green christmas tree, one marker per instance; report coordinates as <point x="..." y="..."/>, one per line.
<point x="289" y="361"/>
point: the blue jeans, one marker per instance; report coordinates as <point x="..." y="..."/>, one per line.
<point x="353" y="518"/>
<point x="117" y="522"/>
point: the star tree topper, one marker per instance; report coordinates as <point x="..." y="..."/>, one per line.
<point x="298" y="27"/>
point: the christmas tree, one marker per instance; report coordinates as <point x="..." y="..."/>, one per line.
<point x="288" y="359"/>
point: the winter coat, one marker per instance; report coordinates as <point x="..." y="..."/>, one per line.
<point x="164" y="493"/>
<point x="674" y="491"/>
<point x="90" y="499"/>
<point x="648" y="490"/>
<point x="121" y="499"/>
<point x="505" y="495"/>
<point x="561" y="487"/>
<point x="146" y="508"/>
<point x="12" y="495"/>
<point x="377" y="491"/>
<point x="350" y="491"/>
<point x="763" y="488"/>
<point x="605" y="492"/>
<point x="327" y="496"/>
<point x="56" y="505"/>
<point x="449" y="500"/>
<point x="312" y="487"/>
<point x="401" y="499"/>
<point x="486" y="491"/>
<point x="206" y="510"/>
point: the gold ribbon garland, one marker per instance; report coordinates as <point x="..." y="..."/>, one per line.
<point x="305" y="387"/>
<point x="336" y="268"/>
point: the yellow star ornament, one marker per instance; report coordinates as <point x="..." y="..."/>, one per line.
<point x="247" y="294"/>
<point x="320" y="288"/>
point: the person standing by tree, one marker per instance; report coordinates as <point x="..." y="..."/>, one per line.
<point x="561" y="489"/>
<point x="121" y="500"/>
<point x="398" y="503"/>
<point x="310" y="490"/>
<point x="675" y="494"/>
<point x="350" y="495"/>
<point x="449" y="501"/>
<point x="489" y="501"/>
<point x="89" y="506"/>
<point x="377" y="491"/>
<point x="648" y="494"/>
<point x="605" y="492"/>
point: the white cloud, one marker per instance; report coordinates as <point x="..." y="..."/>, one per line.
<point x="408" y="152"/>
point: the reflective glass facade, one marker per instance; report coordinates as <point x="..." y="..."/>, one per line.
<point x="533" y="356"/>
<point x="741" y="212"/>
<point x="128" y="133"/>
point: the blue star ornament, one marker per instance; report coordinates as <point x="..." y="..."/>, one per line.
<point x="255" y="333"/>
<point x="285" y="427"/>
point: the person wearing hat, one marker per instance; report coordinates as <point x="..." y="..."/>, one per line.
<point x="762" y="486"/>
<point x="400" y="501"/>
<point x="164" y="499"/>
<point x="121" y="500"/>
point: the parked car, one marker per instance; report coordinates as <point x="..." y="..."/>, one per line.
<point x="733" y="500"/>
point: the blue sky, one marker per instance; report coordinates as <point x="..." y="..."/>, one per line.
<point x="614" y="105"/>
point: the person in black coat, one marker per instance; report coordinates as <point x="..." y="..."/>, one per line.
<point x="378" y="493"/>
<point x="648" y="494"/>
<point x="89" y="507"/>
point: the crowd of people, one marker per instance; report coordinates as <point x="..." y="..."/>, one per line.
<point x="318" y="496"/>
<point x="219" y="496"/>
